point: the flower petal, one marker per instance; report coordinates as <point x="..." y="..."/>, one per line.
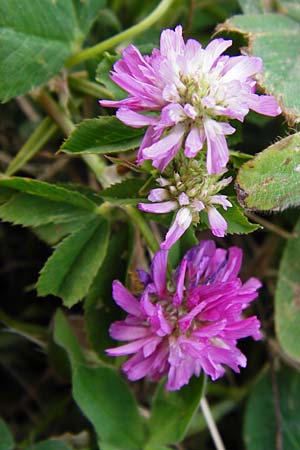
<point x="181" y="223"/>
<point x="134" y="119"/>
<point x="194" y="141"/>
<point x="159" y="208"/>
<point x="125" y="299"/>
<point x="217" y="222"/>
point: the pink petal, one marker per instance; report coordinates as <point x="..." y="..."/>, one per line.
<point x="152" y="135"/>
<point x="164" y="145"/>
<point x="264" y="104"/>
<point x="158" y="195"/>
<point x="138" y="366"/>
<point x="134" y="119"/>
<point x="125" y="299"/>
<point x="178" y="297"/>
<point x="217" y="150"/>
<point x="181" y="223"/>
<point x="210" y="330"/>
<point x="127" y="349"/>
<point x="233" y="265"/>
<point x="158" y="271"/>
<point x="241" y="67"/>
<point x="217" y="222"/>
<point x="172" y="114"/>
<point x="194" y="141"/>
<point x="212" y="52"/>
<point x="158" y="208"/>
<point x="244" y="328"/>
<point x="220" y="200"/>
<point x="122" y="332"/>
<point x="171" y="42"/>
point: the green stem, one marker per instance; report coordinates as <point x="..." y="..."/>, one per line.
<point x="89" y="88"/>
<point x="67" y="127"/>
<point x="94" y="51"/>
<point x="57" y="114"/>
<point x="98" y="166"/>
<point x="144" y="228"/>
<point x="45" y="130"/>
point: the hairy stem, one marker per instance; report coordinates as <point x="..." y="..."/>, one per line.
<point x="94" y="51"/>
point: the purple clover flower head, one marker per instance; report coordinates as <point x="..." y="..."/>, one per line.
<point x="192" y="325"/>
<point x="193" y="92"/>
<point x="188" y="191"/>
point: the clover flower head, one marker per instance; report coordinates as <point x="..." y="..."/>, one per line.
<point x="189" y="93"/>
<point x="179" y="329"/>
<point x="188" y="189"/>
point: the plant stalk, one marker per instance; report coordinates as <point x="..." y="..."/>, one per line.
<point x="67" y="127"/>
<point x="215" y="435"/>
<point x="44" y="131"/>
<point x="144" y="228"/>
<point x="90" y="88"/>
<point x="271" y="226"/>
<point x="109" y="43"/>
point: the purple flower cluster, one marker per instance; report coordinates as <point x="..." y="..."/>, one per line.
<point x="192" y="324"/>
<point x="189" y="93"/>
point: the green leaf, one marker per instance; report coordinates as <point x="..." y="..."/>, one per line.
<point x="100" y="309"/>
<point x="172" y="412"/>
<point x="64" y="336"/>
<point x="36" y="37"/>
<point x="106" y="134"/>
<point x="287" y="298"/>
<point x="102" y="395"/>
<point x="52" y="233"/>
<point x="86" y="13"/>
<point x="252" y="6"/>
<point x="50" y="444"/>
<point x="271" y="181"/>
<point x="70" y="270"/>
<point x="236" y="220"/>
<point x="125" y="192"/>
<point x="48" y="191"/>
<point x="291" y="8"/>
<point x="33" y="211"/>
<point x="6" y="438"/>
<point x="281" y="34"/>
<point x="107" y="402"/>
<point x="261" y="424"/>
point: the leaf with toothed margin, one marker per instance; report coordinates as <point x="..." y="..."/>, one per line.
<point x="71" y="269"/>
<point x="107" y="134"/>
